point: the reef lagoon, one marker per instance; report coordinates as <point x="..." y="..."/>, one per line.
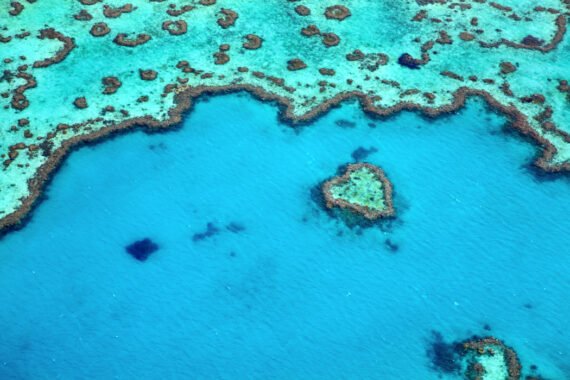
<point x="278" y="288"/>
<point x="226" y="189"/>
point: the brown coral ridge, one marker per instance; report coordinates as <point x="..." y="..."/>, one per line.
<point x="563" y="86"/>
<point x="370" y="61"/>
<point x="83" y="15"/>
<point x="466" y="36"/>
<point x="532" y="43"/>
<point x="310" y="30"/>
<point x="229" y="18"/>
<point x="420" y="16"/>
<point x="80" y="103"/>
<point x="337" y="12"/>
<point x="89" y="2"/>
<point x="302" y="10"/>
<point x="68" y="45"/>
<point x="330" y="39"/>
<point x="13" y="152"/>
<point x="408" y="61"/>
<point x="147" y="74"/>
<point x="19" y="100"/>
<point x="325" y="71"/>
<point x="221" y="58"/>
<point x="500" y="7"/>
<point x="175" y="28"/>
<point x="111" y="12"/>
<point x="253" y="42"/>
<point x="296" y="64"/>
<point x="111" y="84"/>
<point x="366" y="212"/>
<point x="507" y="68"/>
<point x="452" y="75"/>
<point x="183" y="101"/>
<point x="122" y="40"/>
<point x="17" y="8"/>
<point x="511" y="360"/>
<point x="99" y="29"/>
<point x="178" y="12"/>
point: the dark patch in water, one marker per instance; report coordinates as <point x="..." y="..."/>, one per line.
<point x="232" y="254"/>
<point x="534" y="375"/>
<point x="391" y="245"/>
<point x="362" y="153"/>
<point x="161" y="146"/>
<point x="235" y="227"/>
<point x="487" y="327"/>
<point x="443" y="356"/>
<point x="372" y="125"/>
<point x="211" y="230"/>
<point x="528" y="305"/>
<point x="317" y="195"/>
<point x="345" y="123"/>
<point x="142" y="249"/>
<point x="540" y="176"/>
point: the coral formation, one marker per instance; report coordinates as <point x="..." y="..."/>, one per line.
<point x="490" y="351"/>
<point x="363" y="188"/>
<point x="309" y="57"/>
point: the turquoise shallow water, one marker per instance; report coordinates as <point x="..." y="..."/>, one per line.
<point x="480" y="241"/>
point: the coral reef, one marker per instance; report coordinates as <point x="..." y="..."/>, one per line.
<point x="123" y="40"/>
<point x="309" y="57"/>
<point x="363" y="188"/>
<point x="228" y="18"/>
<point x="475" y="350"/>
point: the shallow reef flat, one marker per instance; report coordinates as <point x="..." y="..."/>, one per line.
<point x="363" y="189"/>
<point x="75" y="71"/>
<point x="489" y="358"/>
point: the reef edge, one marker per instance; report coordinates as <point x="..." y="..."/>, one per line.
<point x="183" y="101"/>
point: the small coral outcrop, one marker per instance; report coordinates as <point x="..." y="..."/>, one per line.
<point x="363" y="188"/>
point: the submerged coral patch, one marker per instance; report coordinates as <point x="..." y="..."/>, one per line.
<point x="211" y="230"/>
<point x="235" y="227"/>
<point x="142" y="249"/>
<point x="443" y="356"/>
<point x="362" y="153"/>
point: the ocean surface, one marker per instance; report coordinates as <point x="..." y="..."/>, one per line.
<point x="278" y="289"/>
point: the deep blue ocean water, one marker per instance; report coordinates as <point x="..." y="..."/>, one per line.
<point x="478" y="240"/>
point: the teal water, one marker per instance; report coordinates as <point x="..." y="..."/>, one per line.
<point x="296" y="294"/>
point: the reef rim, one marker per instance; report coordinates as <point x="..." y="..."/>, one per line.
<point x="183" y="101"/>
<point x="365" y="211"/>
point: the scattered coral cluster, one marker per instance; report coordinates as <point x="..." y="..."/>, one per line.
<point x="78" y="70"/>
